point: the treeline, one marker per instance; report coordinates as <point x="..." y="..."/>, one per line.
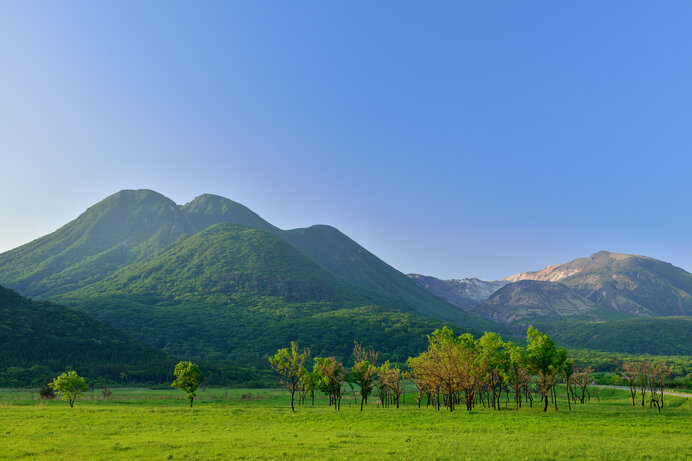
<point x="647" y="376"/>
<point x="454" y="370"/>
<point x="609" y="370"/>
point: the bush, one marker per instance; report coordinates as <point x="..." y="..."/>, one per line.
<point x="46" y="392"/>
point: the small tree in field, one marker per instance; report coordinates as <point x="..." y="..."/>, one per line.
<point x="363" y="371"/>
<point x="187" y="380"/>
<point x="291" y="366"/>
<point x="70" y="385"/>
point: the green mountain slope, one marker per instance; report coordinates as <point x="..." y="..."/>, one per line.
<point x="129" y="226"/>
<point x="343" y="257"/>
<point x="336" y="253"/>
<point x="123" y="228"/>
<point x="53" y="336"/>
<point x="231" y="292"/>
<point x="625" y="283"/>
<point x="658" y="335"/>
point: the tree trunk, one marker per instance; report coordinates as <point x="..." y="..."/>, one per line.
<point x="293" y="392"/>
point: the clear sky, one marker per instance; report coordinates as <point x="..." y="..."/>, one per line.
<point x="449" y="138"/>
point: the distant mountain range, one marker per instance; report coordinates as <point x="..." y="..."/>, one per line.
<point x="465" y="293"/>
<point x="633" y="284"/>
<point x="588" y="302"/>
<point x="212" y="279"/>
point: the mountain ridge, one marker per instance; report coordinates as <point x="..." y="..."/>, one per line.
<point x="634" y="284"/>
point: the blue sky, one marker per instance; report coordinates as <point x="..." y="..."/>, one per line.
<point x="449" y="138"/>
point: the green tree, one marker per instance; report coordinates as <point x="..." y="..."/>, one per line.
<point x="187" y="379"/>
<point x="331" y="376"/>
<point x="363" y="371"/>
<point x="70" y="385"/>
<point x="545" y="360"/>
<point x="494" y="361"/>
<point x="291" y="366"/>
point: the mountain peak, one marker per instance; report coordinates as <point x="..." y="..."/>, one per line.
<point x="622" y="282"/>
<point x="209" y="209"/>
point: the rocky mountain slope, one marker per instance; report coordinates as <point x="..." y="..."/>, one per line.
<point x="465" y="293"/>
<point x="528" y="300"/>
<point x="632" y="284"/>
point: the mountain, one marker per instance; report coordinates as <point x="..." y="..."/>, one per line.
<point x="652" y="335"/>
<point x="54" y="337"/>
<point x="465" y="293"/>
<point x="130" y="226"/>
<point x="624" y="283"/>
<point x="233" y="292"/>
<point x="333" y="251"/>
<point x="121" y="229"/>
<point x="528" y="300"/>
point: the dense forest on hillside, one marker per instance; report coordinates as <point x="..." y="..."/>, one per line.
<point x="656" y="335"/>
<point x="38" y="339"/>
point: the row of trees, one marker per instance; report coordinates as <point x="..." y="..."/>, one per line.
<point x="453" y="370"/>
<point x="647" y="376"/>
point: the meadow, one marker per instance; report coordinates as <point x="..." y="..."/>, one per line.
<point x="259" y="424"/>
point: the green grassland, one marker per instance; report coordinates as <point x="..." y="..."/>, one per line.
<point x="258" y="424"/>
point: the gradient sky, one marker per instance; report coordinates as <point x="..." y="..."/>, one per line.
<point x="451" y="139"/>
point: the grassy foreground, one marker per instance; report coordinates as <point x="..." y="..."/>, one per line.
<point x="258" y="424"/>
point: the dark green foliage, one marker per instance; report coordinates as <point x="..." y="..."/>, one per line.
<point x="46" y="392"/>
<point x="55" y="337"/>
<point x="239" y="293"/>
<point x="658" y="335"/>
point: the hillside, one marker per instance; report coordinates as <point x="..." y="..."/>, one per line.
<point x="130" y="226"/>
<point x="333" y="251"/>
<point x="231" y="292"/>
<point x="465" y="293"/>
<point x="528" y="300"/>
<point x="624" y="283"/>
<point x="121" y="229"/>
<point x="55" y="337"/>
<point x="658" y="335"/>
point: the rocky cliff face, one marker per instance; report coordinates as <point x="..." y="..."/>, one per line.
<point x="465" y="293"/>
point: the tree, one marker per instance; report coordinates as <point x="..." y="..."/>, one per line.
<point x="330" y="378"/>
<point x="70" y="385"/>
<point x="187" y="380"/>
<point x="545" y="360"/>
<point x="517" y="375"/>
<point x="291" y="366"/>
<point x="389" y="384"/>
<point x="629" y="374"/>
<point x="362" y="372"/>
<point x="495" y="361"/>
<point x="567" y="372"/>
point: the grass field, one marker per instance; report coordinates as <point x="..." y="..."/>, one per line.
<point x="259" y="424"/>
